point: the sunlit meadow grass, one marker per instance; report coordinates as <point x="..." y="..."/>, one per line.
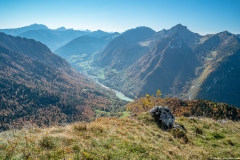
<point x="124" y="138"/>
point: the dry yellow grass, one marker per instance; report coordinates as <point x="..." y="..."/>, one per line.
<point x="113" y="138"/>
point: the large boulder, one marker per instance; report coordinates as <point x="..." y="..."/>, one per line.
<point x="163" y="117"/>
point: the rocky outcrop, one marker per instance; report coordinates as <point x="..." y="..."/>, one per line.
<point x="163" y="117"/>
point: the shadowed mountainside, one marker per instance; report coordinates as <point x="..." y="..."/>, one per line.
<point x="177" y="61"/>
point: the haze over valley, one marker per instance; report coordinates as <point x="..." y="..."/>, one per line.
<point x="119" y="79"/>
<point x="181" y="63"/>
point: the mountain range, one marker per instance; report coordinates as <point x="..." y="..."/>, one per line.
<point x="177" y="61"/>
<point x="139" y="61"/>
<point x="40" y="87"/>
<point x="53" y="39"/>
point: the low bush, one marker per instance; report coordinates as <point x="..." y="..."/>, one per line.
<point x="47" y="142"/>
<point x="80" y="127"/>
<point x="180" y="134"/>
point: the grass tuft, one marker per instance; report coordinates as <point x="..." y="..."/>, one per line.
<point x="47" y="142"/>
<point x="80" y="127"/>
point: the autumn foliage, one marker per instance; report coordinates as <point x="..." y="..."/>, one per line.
<point x="199" y="107"/>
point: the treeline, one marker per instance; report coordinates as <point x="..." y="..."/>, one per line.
<point x="20" y="104"/>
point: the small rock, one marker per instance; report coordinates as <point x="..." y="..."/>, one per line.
<point x="223" y="121"/>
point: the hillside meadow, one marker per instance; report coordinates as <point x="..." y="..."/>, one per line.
<point x="124" y="138"/>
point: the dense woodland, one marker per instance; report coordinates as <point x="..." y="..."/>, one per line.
<point x="41" y="88"/>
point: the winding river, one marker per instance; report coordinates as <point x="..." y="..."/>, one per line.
<point x="118" y="94"/>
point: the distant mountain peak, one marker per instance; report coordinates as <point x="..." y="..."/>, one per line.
<point x="179" y="28"/>
<point x="180" y="25"/>
<point x="224" y="33"/>
<point x="35" y="26"/>
<point x="138" y="30"/>
<point x="61" y="29"/>
<point x="16" y="31"/>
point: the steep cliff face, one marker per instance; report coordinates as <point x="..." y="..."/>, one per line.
<point x="169" y="66"/>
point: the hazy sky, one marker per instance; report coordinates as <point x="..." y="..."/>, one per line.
<point x="202" y="16"/>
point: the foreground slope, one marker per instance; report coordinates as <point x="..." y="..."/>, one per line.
<point x="112" y="138"/>
<point x="40" y="87"/>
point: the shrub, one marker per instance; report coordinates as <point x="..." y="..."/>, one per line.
<point x="198" y="131"/>
<point x="80" y="127"/>
<point x="180" y="134"/>
<point x="217" y="135"/>
<point x="47" y="142"/>
<point x="96" y="128"/>
<point x="206" y="126"/>
<point x="76" y="148"/>
<point x="229" y="141"/>
<point x="185" y="114"/>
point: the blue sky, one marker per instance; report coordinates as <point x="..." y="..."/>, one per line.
<point x="201" y="16"/>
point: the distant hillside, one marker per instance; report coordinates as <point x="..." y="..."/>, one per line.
<point x="46" y="37"/>
<point x="16" y="31"/>
<point x="40" y="87"/>
<point x="82" y="49"/>
<point x="126" y="48"/>
<point x="61" y="29"/>
<point x="100" y="33"/>
<point x="54" y="39"/>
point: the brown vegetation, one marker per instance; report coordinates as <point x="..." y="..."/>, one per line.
<point x="186" y="108"/>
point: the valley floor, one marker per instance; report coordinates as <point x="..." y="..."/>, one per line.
<point x="125" y="138"/>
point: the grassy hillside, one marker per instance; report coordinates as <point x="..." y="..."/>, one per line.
<point x="124" y="138"/>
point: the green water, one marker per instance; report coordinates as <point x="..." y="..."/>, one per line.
<point x="122" y="96"/>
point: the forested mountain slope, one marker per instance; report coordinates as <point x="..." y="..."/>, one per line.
<point x="40" y="87"/>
